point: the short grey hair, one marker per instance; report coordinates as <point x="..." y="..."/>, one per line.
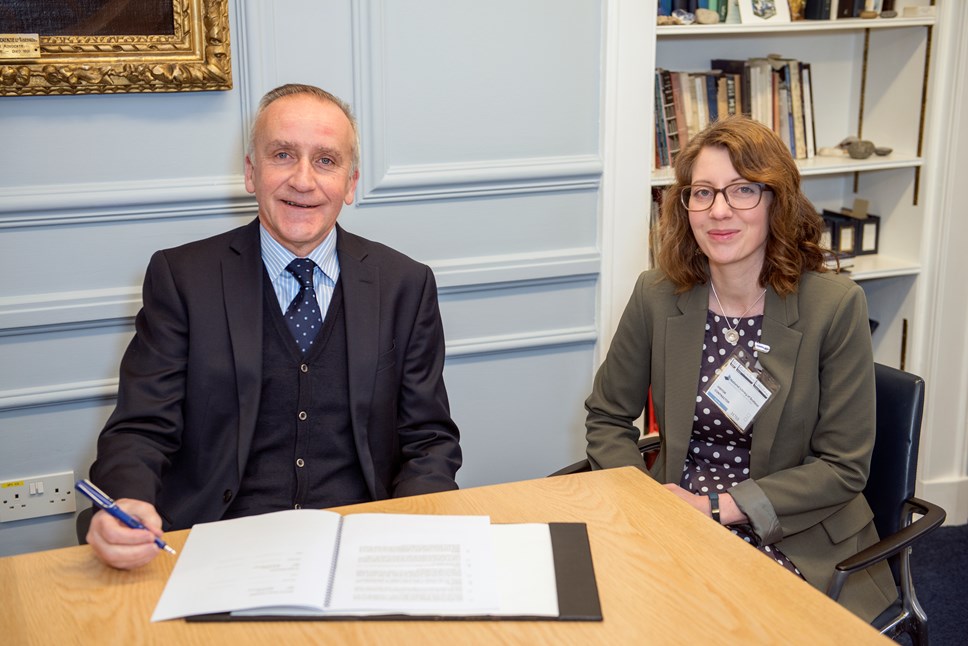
<point x="291" y="89"/>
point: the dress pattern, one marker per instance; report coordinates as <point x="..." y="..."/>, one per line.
<point x="719" y="453"/>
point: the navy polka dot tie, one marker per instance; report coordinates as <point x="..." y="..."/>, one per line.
<point x="303" y="317"/>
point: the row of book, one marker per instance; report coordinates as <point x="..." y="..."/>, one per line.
<point x="775" y="91"/>
<point x="834" y="9"/>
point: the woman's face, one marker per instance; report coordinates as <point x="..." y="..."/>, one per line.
<point x="734" y="240"/>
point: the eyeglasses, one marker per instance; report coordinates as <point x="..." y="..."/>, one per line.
<point x="740" y="196"/>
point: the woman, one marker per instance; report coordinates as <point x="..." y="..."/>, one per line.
<point x="760" y="364"/>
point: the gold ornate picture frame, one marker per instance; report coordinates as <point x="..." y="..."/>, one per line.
<point x="195" y="57"/>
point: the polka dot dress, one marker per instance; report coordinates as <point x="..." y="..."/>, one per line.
<point x="719" y="453"/>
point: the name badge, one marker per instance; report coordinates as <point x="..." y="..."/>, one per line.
<point x="741" y="388"/>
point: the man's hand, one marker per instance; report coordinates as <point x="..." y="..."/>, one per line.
<point x="120" y="546"/>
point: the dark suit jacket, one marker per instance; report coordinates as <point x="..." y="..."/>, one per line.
<point x="811" y="444"/>
<point x="190" y="380"/>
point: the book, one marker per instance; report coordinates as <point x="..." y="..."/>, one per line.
<point x="817" y="10"/>
<point x="679" y="108"/>
<point x="318" y="564"/>
<point x="796" y="107"/>
<point x="660" y="138"/>
<point x="761" y="90"/>
<point x="687" y="95"/>
<point x="723" y="97"/>
<point x="809" y="130"/>
<point x="740" y="70"/>
<point x="670" y="115"/>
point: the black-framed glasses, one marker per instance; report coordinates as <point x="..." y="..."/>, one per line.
<point x="741" y="195"/>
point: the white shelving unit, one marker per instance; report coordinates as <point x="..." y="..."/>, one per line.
<point x="882" y="102"/>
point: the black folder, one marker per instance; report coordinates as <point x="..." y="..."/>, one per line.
<point x="574" y="578"/>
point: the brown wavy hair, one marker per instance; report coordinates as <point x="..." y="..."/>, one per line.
<point x="758" y="155"/>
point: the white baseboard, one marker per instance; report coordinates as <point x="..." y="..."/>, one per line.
<point x="951" y="494"/>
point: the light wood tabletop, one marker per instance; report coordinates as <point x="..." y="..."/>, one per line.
<point x="666" y="575"/>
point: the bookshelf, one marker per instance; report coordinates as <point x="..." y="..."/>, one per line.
<point x="870" y="78"/>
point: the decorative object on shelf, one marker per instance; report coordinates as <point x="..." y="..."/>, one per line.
<point x="854" y="148"/>
<point x="707" y="17"/>
<point x="797" y="8"/>
<point x="870" y="10"/>
<point x="832" y="151"/>
<point x="854" y="230"/>
<point x="764" y="11"/>
<point x="684" y="17"/>
<point x="861" y="149"/>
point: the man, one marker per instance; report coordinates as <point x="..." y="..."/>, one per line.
<point x="257" y="381"/>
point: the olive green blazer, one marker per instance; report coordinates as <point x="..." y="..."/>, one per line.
<point x="812" y="442"/>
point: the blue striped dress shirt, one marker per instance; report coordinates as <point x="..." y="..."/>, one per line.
<point x="275" y="257"/>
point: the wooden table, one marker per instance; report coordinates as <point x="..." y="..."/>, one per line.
<point x="666" y="575"/>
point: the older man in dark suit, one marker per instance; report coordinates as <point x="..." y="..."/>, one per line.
<point x="285" y="364"/>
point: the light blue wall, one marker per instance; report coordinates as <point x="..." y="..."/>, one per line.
<point x="481" y="147"/>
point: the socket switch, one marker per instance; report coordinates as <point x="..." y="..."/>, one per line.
<point x="37" y="496"/>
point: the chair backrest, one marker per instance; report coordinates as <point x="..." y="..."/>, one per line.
<point x="894" y="463"/>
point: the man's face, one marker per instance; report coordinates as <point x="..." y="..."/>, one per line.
<point x="299" y="170"/>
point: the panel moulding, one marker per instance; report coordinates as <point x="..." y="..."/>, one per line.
<point x="65" y="204"/>
<point x="383" y="181"/>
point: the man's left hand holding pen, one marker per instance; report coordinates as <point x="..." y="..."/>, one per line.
<point x="120" y="546"/>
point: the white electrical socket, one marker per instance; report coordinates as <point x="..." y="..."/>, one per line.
<point x="37" y="496"/>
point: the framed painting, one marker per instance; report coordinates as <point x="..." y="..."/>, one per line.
<point x="113" y="46"/>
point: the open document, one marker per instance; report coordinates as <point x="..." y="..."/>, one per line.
<point x="318" y="564"/>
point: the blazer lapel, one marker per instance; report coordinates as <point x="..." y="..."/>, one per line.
<point x="361" y="305"/>
<point x="683" y="359"/>
<point x="242" y="289"/>
<point x="779" y="314"/>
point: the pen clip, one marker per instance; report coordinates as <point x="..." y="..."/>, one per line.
<point x="90" y="490"/>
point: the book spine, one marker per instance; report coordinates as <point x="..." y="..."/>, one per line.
<point x="817" y="10"/>
<point x="722" y="96"/>
<point x="670" y="116"/>
<point x="808" y="125"/>
<point x="661" y="152"/>
<point x="698" y="97"/>
<point x="712" y="102"/>
<point x="681" y="124"/>
<point x="331" y="578"/>
<point x="733" y="88"/>
<point x="796" y="103"/>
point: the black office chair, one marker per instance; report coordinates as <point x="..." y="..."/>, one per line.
<point x="890" y="493"/>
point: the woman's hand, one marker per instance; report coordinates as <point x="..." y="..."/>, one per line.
<point x="729" y="513"/>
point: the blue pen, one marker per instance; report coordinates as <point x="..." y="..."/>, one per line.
<point x="104" y="501"/>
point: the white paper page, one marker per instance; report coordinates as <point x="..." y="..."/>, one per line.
<point x="525" y="570"/>
<point x="392" y="563"/>
<point x="277" y="559"/>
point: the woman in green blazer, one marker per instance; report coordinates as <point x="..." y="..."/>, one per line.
<point x="759" y="361"/>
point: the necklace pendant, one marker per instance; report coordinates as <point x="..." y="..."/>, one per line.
<point x="731" y="336"/>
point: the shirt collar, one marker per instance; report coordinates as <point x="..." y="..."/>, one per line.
<point x="275" y="257"/>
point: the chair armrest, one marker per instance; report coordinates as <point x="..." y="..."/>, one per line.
<point x="931" y="519"/>
<point x="647" y="444"/>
